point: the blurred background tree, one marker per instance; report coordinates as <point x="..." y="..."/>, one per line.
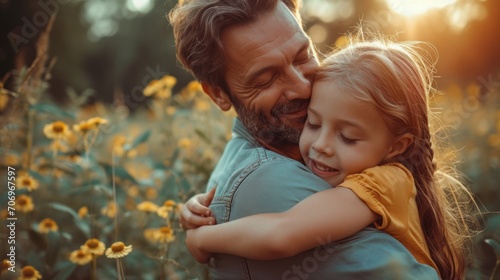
<point x="110" y="44"/>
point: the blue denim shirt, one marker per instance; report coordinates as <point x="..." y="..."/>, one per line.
<point x="251" y="179"/>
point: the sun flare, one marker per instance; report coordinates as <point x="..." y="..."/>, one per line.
<point x="413" y="8"/>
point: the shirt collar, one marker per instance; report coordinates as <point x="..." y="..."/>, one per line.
<point x="239" y="129"/>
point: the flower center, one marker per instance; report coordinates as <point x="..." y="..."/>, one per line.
<point x="117" y="247"/>
<point x="28" y="271"/>
<point x="22" y="201"/>
<point x="48" y="224"/>
<point x="58" y="127"/>
<point x="26" y="182"/>
<point x="92" y="243"/>
<point x="165" y="230"/>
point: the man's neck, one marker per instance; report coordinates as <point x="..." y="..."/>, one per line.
<point x="285" y="149"/>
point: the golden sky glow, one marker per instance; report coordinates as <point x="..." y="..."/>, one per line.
<point x="412" y="7"/>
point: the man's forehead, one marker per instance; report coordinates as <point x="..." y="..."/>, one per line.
<point x="276" y="31"/>
<point x="279" y="22"/>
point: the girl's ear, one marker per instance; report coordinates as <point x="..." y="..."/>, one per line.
<point x="400" y="145"/>
<point x="218" y="96"/>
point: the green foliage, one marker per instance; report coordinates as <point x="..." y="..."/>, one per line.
<point x="98" y="172"/>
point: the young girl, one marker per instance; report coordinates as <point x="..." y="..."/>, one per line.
<point x="368" y="134"/>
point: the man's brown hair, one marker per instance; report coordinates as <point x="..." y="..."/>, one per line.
<point x="198" y="26"/>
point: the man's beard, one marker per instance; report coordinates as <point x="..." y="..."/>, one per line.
<point x="272" y="129"/>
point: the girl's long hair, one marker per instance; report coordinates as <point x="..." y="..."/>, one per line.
<point x="398" y="79"/>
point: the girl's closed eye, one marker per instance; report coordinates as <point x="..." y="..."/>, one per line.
<point x="347" y="140"/>
<point x="312" y="126"/>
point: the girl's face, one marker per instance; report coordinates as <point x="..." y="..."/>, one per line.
<point x="342" y="134"/>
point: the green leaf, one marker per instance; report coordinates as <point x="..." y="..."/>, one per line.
<point x="63" y="208"/>
<point x="138" y="140"/>
<point x="495" y="246"/>
<point x="119" y="172"/>
<point x="202" y="135"/>
<point x="53" y="245"/>
<point x="83" y="226"/>
<point x="64" y="270"/>
<point x="51" y="109"/>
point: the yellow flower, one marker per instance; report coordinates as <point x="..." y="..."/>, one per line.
<point x="118" y="144"/>
<point x="194" y="86"/>
<point x="161" y="88"/>
<point x="170" y="110"/>
<point x="4" y="214"/>
<point x="5" y="265"/>
<point x="147" y="206"/>
<point x="83" y="127"/>
<point x="169" y="204"/>
<point x="202" y="106"/>
<point x="178" y="207"/>
<point x="27" y="182"/>
<point x="29" y="273"/>
<point x="83" y="211"/>
<point x="47" y="225"/>
<point x="494" y="140"/>
<point x="4" y="97"/>
<point x="118" y="250"/>
<point x="11" y="159"/>
<point x="151" y="193"/>
<point x="24" y="203"/>
<point x="94" y="246"/>
<point x="133" y="191"/>
<point x="150" y="234"/>
<point x="109" y="210"/>
<point x="167" y="207"/>
<point x="97" y="121"/>
<point x="165" y="235"/>
<point x="56" y="130"/>
<point x="80" y="257"/>
<point x="162" y="212"/>
<point x="185" y="143"/>
<point x="186" y="95"/>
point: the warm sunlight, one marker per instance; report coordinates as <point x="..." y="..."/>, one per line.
<point x="412" y="8"/>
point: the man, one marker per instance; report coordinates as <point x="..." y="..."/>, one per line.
<point x="254" y="55"/>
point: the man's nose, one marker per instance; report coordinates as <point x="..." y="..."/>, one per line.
<point x="298" y="84"/>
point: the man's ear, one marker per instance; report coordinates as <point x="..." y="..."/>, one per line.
<point x="218" y="96"/>
<point x="400" y="145"/>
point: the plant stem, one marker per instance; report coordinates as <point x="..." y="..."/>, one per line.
<point x="29" y="139"/>
<point x="94" y="268"/>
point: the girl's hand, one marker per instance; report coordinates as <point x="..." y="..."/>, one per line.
<point x="191" y="243"/>
<point x="195" y="212"/>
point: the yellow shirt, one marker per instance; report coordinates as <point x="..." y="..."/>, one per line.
<point x="389" y="191"/>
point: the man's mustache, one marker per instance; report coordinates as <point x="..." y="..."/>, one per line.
<point x="291" y="106"/>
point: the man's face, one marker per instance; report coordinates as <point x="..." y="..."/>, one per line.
<point x="269" y="67"/>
